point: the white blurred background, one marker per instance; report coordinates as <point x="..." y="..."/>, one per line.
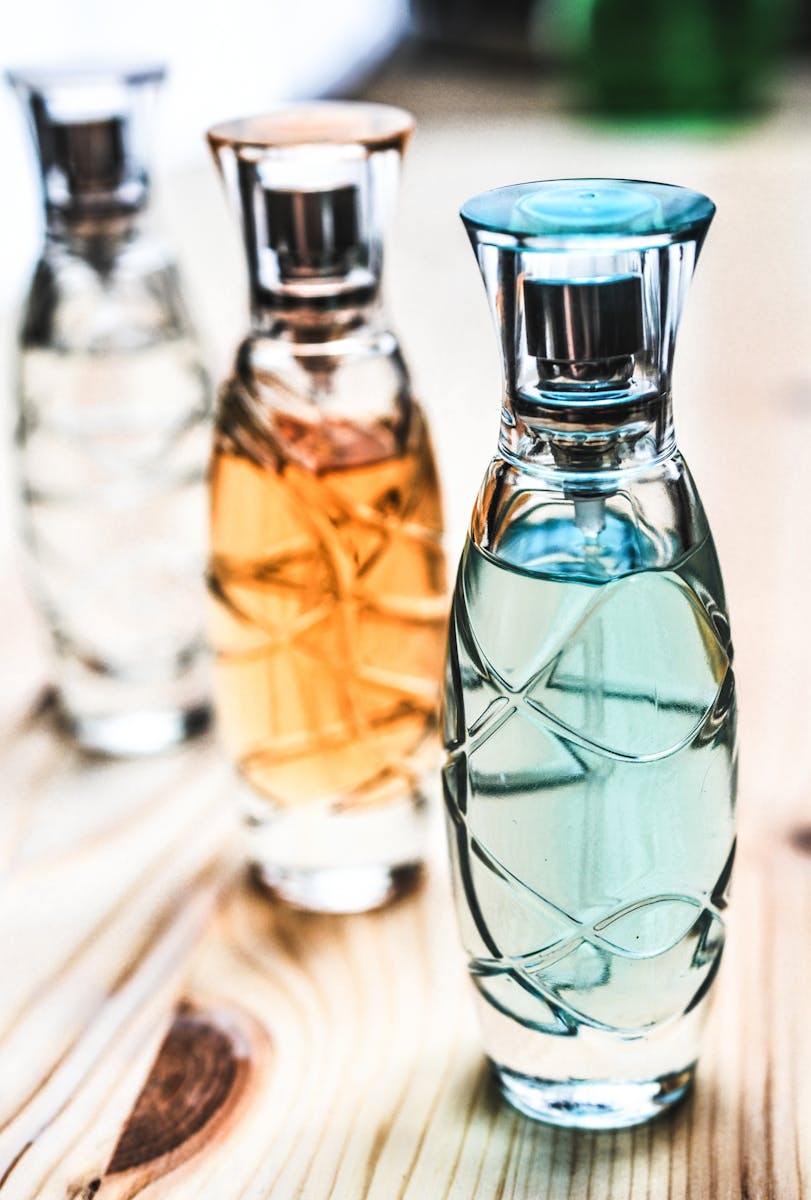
<point x="223" y="60"/>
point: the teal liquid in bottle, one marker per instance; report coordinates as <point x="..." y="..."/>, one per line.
<point x="589" y="703"/>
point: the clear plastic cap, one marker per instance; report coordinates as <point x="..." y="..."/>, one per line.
<point x="313" y="186"/>
<point x="91" y="129"/>
<point x="586" y="279"/>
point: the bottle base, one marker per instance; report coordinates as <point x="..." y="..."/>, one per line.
<point x="592" y="1103"/>
<point x="136" y="734"/>
<point x="337" y="890"/>
<point x="323" y="858"/>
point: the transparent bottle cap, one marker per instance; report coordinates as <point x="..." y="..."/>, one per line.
<point x="88" y="124"/>
<point x="321" y="123"/>
<point x="562" y="210"/>
<point x="313" y="185"/>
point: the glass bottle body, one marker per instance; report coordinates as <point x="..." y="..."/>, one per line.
<point x="589" y="714"/>
<point x="590" y="723"/>
<point x="328" y="605"/>
<point x="113" y="436"/>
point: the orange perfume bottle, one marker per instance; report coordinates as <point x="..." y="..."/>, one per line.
<point x="327" y="575"/>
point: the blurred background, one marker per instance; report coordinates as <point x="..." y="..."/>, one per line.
<point x="712" y="94"/>
<point x="223" y="60"/>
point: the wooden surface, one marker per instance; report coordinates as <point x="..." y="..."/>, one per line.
<point x="164" y="1032"/>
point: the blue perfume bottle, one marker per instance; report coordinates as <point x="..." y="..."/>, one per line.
<point x="589" y="707"/>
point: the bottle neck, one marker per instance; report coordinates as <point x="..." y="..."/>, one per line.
<point x="94" y="234"/>
<point x="307" y="320"/>
<point x="588" y="437"/>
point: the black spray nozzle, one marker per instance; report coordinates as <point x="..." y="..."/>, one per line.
<point x="91" y="154"/>
<point x="315" y="233"/>
<point x="86" y="164"/>
<point x="583" y="321"/>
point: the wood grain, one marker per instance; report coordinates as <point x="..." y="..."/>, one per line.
<point x="196" y="1080"/>
<point x="366" y="1078"/>
<point x="166" y="1032"/>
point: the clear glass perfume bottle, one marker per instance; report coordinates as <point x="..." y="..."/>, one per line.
<point x="113" y="430"/>
<point x="327" y="574"/>
<point x="589" y="706"/>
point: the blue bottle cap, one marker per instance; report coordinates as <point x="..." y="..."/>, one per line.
<point x="566" y="209"/>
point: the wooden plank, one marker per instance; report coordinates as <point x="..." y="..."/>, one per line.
<point x="358" y="1069"/>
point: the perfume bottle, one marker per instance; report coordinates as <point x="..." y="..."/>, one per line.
<point x="113" y="430"/>
<point x="589" y="706"/>
<point x="327" y="575"/>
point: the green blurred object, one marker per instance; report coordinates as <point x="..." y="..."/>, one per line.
<point x="680" y="59"/>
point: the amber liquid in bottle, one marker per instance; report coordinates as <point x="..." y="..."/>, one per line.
<point x="329" y="608"/>
<point x="326" y="572"/>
